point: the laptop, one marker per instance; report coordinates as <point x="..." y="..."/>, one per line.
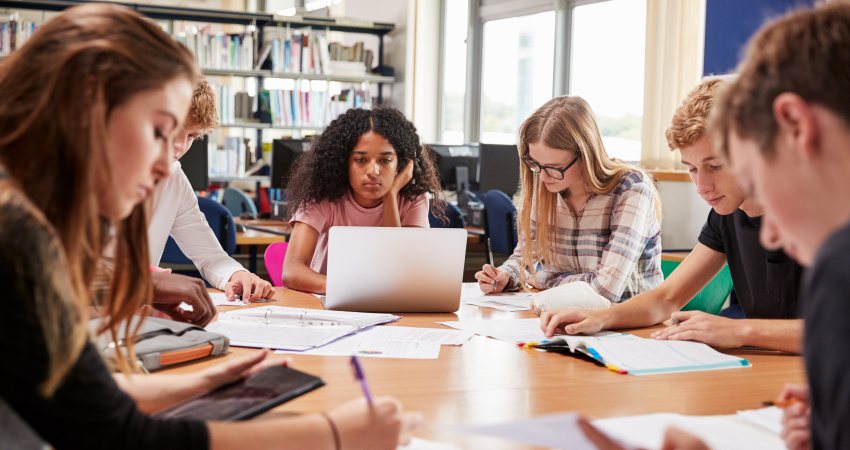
<point x="395" y="269"/>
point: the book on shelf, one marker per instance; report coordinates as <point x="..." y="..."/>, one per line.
<point x="14" y="33"/>
<point x="229" y="160"/>
<point x="294" y="51"/>
<point x="218" y="50"/>
<point x="310" y="108"/>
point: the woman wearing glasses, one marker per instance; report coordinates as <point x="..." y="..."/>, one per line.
<point x="584" y="216"/>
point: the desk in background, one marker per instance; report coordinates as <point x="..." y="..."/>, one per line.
<point x="486" y="381"/>
<point x="259" y="233"/>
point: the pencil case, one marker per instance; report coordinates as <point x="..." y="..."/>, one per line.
<point x="162" y="342"/>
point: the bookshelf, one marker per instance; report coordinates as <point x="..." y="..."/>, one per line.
<point x="228" y="52"/>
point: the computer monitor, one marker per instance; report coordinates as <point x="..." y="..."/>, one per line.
<point x="457" y="163"/>
<point x="195" y="164"/>
<point x="499" y="168"/>
<point x="284" y="154"/>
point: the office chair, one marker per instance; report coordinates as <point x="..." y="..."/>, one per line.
<point x="239" y="203"/>
<point x="221" y="222"/>
<point x="452" y="213"/>
<point x="273" y="259"/>
<point x="500" y="223"/>
<point x="712" y="297"/>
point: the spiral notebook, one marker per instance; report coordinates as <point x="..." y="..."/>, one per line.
<point x="297" y="329"/>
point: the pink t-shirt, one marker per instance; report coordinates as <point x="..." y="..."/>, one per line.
<point x="346" y="212"/>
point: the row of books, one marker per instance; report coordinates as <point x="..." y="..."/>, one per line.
<point x="14" y="34"/>
<point x="233" y="107"/>
<point x="229" y="160"/>
<point x="295" y="51"/>
<point x="315" y="109"/>
<point x="219" y="51"/>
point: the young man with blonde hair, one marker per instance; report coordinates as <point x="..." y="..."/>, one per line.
<point x="766" y="282"/>
<point x="176" y="213"/>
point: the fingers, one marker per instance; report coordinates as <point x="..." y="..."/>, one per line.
<point x="230" y="291"/>
<point x="795" y="391"/>
<point x="409" y="422"/>
<point x="491" y="271"/>
<point x="243" y="365"/>
<point x="485" y="283"/>
<point x="798" y="439"/>
<point x="681" y="316"/>
<point x="560" y="320"/>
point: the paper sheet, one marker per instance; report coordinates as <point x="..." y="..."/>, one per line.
<point x="552" y="431"/>
<point x="721" y="432"/>
<point x="392" y="342"/>
<point x="508" y="330"/>
<point x="471" y="294"/>
<point x="422" y="444"/>
<point x="768" y="418"/>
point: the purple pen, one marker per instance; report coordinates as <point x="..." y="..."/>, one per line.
<point x="360" y="376"/>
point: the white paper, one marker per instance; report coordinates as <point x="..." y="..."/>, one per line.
<point x="508" y="330"/>
<point x="720" y="432"/>
<point x="220" y="299"/>
<point x="769" y="418"/>
<point x="351" y="345"/>
<point x="423" y="444"/>
<point x="471" y="294"/>
<point x="552" y="431"/>
<point x="438" y="336"/>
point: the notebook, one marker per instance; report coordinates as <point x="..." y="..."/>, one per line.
<point x="633" y="355"/>
<point x="298" y="329"/>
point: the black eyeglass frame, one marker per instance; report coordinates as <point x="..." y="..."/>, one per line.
<point x="553" y="172"/>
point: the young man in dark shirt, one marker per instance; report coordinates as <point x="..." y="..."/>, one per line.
<point x="766" y="282"/>
<point x="785" y="125"/>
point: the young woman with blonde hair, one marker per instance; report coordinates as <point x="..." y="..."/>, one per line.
<point x="90" y="108"/>
<point x="583" y="216"/>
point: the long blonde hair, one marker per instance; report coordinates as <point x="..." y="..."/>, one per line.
<point x="58" y="92"/>
<point x="565" y="123"/>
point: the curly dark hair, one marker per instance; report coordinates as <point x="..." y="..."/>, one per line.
<point x="322" y="172"/>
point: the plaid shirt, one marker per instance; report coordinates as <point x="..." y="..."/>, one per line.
<point x="614" y="244"/>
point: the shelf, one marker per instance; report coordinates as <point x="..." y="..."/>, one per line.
<point x="235" y="73"/>
<point x="268" y="126"/>
<point x="232" y="178"/>
<point x="342" y="78"/>
<point x="218" y="16"/>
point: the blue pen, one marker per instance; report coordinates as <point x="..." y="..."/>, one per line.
<point x="359" y="375"/>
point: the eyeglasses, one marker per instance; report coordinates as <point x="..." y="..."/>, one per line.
<point x="553" y="172"/>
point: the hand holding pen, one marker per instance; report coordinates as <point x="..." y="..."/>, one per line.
<point x="491" y="280"/>
<point x="360" y="376"/>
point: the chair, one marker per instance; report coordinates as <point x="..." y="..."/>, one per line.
<point x="500" y="223"/>
<point x="221" y="222"/>
<point x="712" y="297"/>
<point x="273" y="259"/>
<point x="238" y="203"/>
<point x="452" y="213"/>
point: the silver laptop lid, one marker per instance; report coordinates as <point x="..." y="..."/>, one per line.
<point x="395" y="269"/>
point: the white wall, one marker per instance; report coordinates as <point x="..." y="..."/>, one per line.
<point x="395" y="43"/>
<point x="684" y="214"/>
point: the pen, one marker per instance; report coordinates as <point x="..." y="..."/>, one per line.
<point x="780" y="403"/>
<point x="360" y="376"/>
<point x="490" y="254"/>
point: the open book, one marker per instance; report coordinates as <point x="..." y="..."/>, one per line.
<point x="297" y="329"/>
<point x="630" y="354"/>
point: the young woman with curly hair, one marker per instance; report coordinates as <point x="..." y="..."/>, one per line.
<point x="366" y="169"/>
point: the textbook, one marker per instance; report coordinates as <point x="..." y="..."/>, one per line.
<point x="298" y="329"/>
<point x="633" y="355"/>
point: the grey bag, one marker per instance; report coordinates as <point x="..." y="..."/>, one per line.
<point x="162" y="342"/>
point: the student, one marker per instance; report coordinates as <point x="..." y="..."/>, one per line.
<point x="366" y="169"/>
<point x="584" y="216"/>
<point x="766" y="282"/>
<point x="90" y="105"/>
<point x="176" y="213"/>
<point x="785" y="125"/>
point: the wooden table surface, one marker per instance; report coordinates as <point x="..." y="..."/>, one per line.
<point x="487" y="381"/>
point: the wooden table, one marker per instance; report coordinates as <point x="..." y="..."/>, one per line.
<point x="486" y="381"/>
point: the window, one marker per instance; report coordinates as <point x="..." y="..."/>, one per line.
<point x="456" y="21"/>
<point x="607" y="70"/>
<point x="517" y="73"/>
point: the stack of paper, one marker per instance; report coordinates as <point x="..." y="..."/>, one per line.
<point x="509" y="330"/>
<point x="283" y="328"/>
<point x="471" y="294"/>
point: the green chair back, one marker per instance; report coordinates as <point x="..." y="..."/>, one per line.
<point x="712" y="297"/>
